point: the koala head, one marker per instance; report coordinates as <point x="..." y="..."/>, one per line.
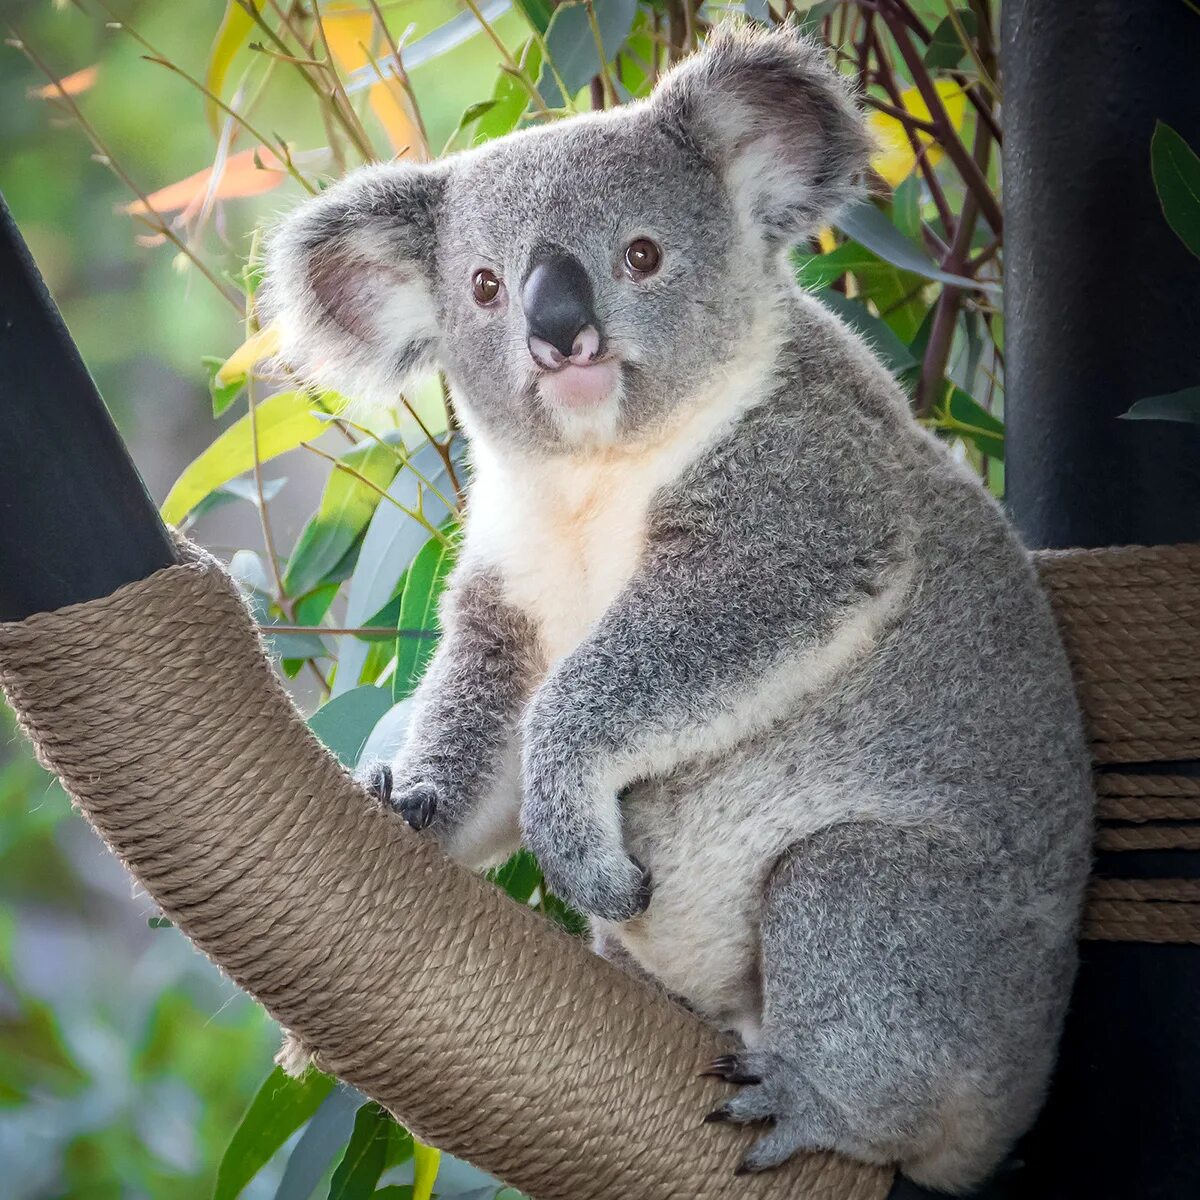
<point x="581" y="281"/>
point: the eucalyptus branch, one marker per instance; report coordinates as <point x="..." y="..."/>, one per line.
<point x="510" y="64"/>
<point x="968" y="44"/>
<point x="341" y="100"/>
<point x="605" y="75"/>
<point x="972" y="177"/>
<point x="416" y="514"/>
<point x="151" y="217"/>
<point x="401" y="74"/>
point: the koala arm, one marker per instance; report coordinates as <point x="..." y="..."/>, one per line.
<point x="718" y="634"/>
<point x="457" y="773"/>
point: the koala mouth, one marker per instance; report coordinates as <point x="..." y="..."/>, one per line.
<point x="580" y="386"/>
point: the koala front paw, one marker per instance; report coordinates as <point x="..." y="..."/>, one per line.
<point x="417" y="804"/>
<point x="610" y="886"/>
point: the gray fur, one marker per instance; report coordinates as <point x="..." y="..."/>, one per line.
<point x="820" y="721"/>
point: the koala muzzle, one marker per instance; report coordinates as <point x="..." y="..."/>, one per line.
<point x="560" y="316"/>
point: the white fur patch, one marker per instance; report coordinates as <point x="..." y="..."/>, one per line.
<point x="565" y="533"/>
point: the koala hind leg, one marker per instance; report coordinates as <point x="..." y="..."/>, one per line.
<point x="869" y="1037"/>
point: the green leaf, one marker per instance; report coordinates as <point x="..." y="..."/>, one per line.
<point x="510" y="100"/>
<point x="519" y="877"/>
<point x="425" y="1168"/>
<point x="965" y="417"/>
<point x="345" y="723"/>
<point x="571" y="45"/>
<point x="347" y="504"/>
<point x="366" y="1155"/>
<point x="869" y="226"/>
<point x="281" y="1106"/>
<point x="423" y="585"/>
<point x="1174" y="406"/>
<point x="536" y="12"/>
<point x="1176" y="168"/>
<point x="906" y="207"/>
<point x="946" y="50"/>
<point x="33" y="1055"/>
<point x="282" y="423"/>
<point x="223" y="394"/>
<point x="891" y="350"/>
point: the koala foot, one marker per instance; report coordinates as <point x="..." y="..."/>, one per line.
<point x="417" y="804"/>
<point x="772" y="1091"/>
<point x="615" y="890"/>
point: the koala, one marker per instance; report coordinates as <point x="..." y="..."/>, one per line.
<point x="757" y="670"/>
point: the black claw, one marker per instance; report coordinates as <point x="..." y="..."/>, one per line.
<point x="379" y="782"/>
<point x="718" y="1068"/>
<point x="728" y="1067"/>
<point x="718" y="1116"/>
<point x="645" y="887"/>
<point x="743" y="1169"/>
<point x="417" y="806"/>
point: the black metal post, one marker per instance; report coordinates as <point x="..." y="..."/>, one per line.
<point x="1101" y="306"/>
<point x="1101" y="297"/>
<point x="76" y="521"/>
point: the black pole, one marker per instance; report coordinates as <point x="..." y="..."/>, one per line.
<point x="76" y="521"/>
<point x="1102" y="309"/>
<point x="1101" y="297"/>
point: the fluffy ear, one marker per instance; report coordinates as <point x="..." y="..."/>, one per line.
<point x="349" y="279"/>
<point x="767" y="109"/>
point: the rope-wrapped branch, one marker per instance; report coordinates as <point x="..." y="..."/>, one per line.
<point x="475" y="1021"/>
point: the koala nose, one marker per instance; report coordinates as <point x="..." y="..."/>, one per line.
<point x="559" y="313"/>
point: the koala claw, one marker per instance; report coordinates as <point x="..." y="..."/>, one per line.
<point x="773" y="1091"/>
<point x="417" y="805"/>
<point x="728" y="1068"/>
<point x="379" y="782"/>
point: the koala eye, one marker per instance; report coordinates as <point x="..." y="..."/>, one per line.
<point x="485" y="285"/>
<point x="642" y="257"/>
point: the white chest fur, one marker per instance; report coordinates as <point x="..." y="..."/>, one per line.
<point x="566" y="533"/>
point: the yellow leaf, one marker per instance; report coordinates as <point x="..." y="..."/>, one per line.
<point x="233" y="31"/>
<point x="350" y="33"/>
<point x="894" y="157"/>
<point x="249" y="354"/>
<point x="426" y="1160"/>
<point x="282" y="423"/>
<point x="826" y="240"/>
<point x="242" y="176"/>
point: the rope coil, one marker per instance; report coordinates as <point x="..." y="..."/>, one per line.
<point x="419" y="983"/>
<point x="424" y="985"/>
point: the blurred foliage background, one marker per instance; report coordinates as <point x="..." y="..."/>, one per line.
<point x="144" y="147"/>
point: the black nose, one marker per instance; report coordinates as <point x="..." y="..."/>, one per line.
<point x="558" y="303"/>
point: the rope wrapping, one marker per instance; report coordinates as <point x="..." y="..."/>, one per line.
<point x="476" y="1022"/>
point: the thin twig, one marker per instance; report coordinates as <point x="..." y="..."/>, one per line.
<point x="151" y="217"/>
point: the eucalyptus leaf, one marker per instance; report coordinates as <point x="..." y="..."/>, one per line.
<point x="870" y="227"/>
<point x="366" y="1155"/>
<point x="893" y="352"/>
<point x="536" y="12"/>
<point x="1183" y="405"/>
<point x="571" y="45"/>
<point x="423" y="586"/>
<point x="391" y="542"/>
<point x="1176" y="168"/>
<point x="280" y="1107"/>
<point x="347" y="504"/>
<point x="323" y="1138"/>
<point x="946" y="50"/>
<point x="345" y="722"/>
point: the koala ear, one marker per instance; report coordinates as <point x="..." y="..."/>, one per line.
<point x="767" y="109"/>
<point x="349" y="279"/>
